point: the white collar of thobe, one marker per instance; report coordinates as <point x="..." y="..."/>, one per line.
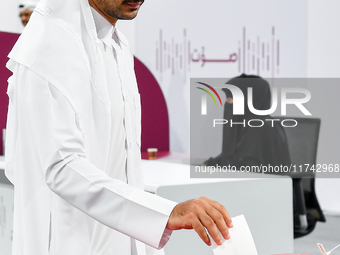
<point x="106" y="32"/>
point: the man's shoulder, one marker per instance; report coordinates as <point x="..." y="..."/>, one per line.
<point x="48" y="49"/>
<point x="41" y="38"/>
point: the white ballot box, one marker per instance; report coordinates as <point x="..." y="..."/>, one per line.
<point x="265" y="202"/>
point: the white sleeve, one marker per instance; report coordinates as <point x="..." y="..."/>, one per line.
<point x="49" y="118"/>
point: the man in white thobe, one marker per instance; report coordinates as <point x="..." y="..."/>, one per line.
<point x="73" y="140"/>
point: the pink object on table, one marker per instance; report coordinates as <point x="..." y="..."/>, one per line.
<point x="160" y="154"/>
<point x="292" y="254"/>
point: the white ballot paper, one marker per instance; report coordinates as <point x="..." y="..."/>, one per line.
<point x="241" y="241"/>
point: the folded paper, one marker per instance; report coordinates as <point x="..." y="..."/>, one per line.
<point x="241" y="240"/>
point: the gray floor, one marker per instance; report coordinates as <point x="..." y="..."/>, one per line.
<point x="327" y="233"/>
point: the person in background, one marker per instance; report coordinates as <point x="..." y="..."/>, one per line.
<point x="25" y="11"/>
<point x="251" y="146"/>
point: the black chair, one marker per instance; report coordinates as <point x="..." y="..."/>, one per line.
<point x="302" y="143"/>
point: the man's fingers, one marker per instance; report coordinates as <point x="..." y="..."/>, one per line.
<point x="198" y="227"/>
<point x="223" y="211"/>
<point x="210" y="225"/>
<point x="202" y="214"/>
<point x="218" y="219"/>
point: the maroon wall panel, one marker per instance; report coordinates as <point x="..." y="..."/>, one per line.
<point x="7" y="41"/>
<point x="155" y="119"/>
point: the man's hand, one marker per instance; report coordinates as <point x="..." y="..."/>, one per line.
<point x="201" y="213"/>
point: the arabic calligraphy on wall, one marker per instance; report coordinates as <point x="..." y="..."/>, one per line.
<point x="251" y="55"/>
<point x="200" y="57"/>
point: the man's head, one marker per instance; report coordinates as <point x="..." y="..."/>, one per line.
<point x="114" y="10"/>
<point x="25" y="11"/>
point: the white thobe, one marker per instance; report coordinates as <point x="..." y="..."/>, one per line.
<point x="71" y="194"/>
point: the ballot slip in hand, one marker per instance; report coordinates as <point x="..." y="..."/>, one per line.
<point x="241" y="240"/>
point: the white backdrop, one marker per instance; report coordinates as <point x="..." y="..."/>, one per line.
<point x="9" y="16"/>
<point x="186" y="39"/>
<point x="323" y="61"/>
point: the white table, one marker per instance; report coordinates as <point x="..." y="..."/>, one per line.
<point x="6" y="211"/>
<point x="265" y="202"/>
<point x="2" y="162"/>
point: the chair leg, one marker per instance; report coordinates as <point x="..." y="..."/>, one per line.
<point x="300" y="203"/>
